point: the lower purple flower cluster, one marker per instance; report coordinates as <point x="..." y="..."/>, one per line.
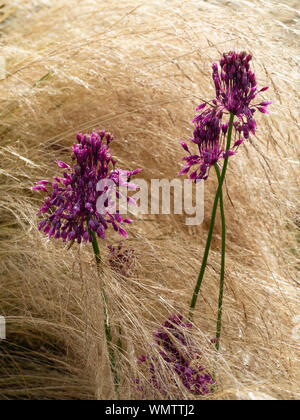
<point x="182" y="357"/>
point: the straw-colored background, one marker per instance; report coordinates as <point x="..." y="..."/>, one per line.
<point x="138" y="69"/>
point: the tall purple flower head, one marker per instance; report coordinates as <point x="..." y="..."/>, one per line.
<point x="182" y="357"/>
<point x="236" y="88"/>
<point x="70" y="209"/>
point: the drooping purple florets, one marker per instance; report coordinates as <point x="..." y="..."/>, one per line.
<point x="70" y="209"/>
<point x="236" y="88"/>
<point x="210" y="137"/>
<point x="210" y="144"/>
<point x="181" y="356"/>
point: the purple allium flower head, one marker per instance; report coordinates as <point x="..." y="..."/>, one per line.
<point x="121" y="261"/>
<point x="181" y="356"/>
<point x="70" y="208"/>
<point x="236" y="87"/>
<point x="209" y="136"/>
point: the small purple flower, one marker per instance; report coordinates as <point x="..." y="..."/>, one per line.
<point x="185" y="146"/>
<point x="62" y="165"/>
<point x="70" y="208"/>
<point x="142" y="359"/>
<point x="121" y="261"/>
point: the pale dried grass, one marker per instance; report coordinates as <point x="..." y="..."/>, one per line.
<point x="138" y="69"/>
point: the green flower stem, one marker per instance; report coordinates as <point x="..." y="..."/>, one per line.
<point x="222" y="275"/>
<point x="212" y="223"/>
<point x="108" y="334"/>
<point x="120" y="344"/>
<point x="96" y="251"/>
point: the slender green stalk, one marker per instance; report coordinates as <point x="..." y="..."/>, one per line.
<point x="212" y="223"/>
<point x="96" y="251"/>
<point x="222" y="275"/>
<point x="120" y="344"/>
<point x="107" y="329"/>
